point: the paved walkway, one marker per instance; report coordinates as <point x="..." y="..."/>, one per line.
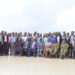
<point x="10" y="65"/>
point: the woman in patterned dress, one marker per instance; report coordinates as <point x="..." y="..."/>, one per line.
<point x="47" y="48"/>
<point x="64" y="49"/>
<point x="19" y="46"/>
<point x="54" y="49"/>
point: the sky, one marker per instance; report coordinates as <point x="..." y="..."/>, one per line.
<point x="37" y="15"/>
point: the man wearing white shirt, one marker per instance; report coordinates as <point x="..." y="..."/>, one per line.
<point x="24" y="39"/>
<point x="12" y="44"/>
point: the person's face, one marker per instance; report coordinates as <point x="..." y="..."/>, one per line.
<point x="63" y="42"/>
<point x="25" y="34"/>
<point x="72" y="33"/>
<point x="4" y="33"/>
<point x="67" y="34"/>
<point x="74" y="36"/>
<point x="31" y="35"/>
<point x="13" y="34"/>
<point x="40" y="35"/>
<point x="64" y="33"/>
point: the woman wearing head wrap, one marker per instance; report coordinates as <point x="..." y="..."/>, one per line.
<point x="47" y="48"/>
<point x="64" y="49"/>
<point x="54" y="49"/>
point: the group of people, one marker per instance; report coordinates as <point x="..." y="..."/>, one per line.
<point x="53" y="45"/>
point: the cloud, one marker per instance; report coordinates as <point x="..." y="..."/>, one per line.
<point x="37" y="15"/>
<point x="12" y="7"/>
<point x="65" y="20"/>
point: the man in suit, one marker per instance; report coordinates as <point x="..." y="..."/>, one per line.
<point x="5" y="44"/>
<point x="73" y="52"/>
<point x="1" y="41"/>
<point x="68" y="42"/>
<point x="71" y="43"/>
<point x="59" y="40"/>
<point x="29" y="40"/>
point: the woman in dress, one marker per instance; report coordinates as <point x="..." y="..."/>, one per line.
<point x="54" y="49"/>
<point x="64" y="49"/>
<point x="47" y="48"/>
<point x="19" y="46"/>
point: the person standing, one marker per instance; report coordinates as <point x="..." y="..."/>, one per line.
<point x="24" y="39"/>
<point x="1" y="42"/>
<point x="73" y="52"/>
<point x="35" y="47"/>
<point x="12" y="44"/>
<point x="5" y="44"/>
<point x="29" y="40"/>
<point x="71" y="43"/>
<point x="18" y="46"/>
<point x="68" y="42"/>
<point x="40" y="47"/>
<point x="52" y="38"/>
<point x="47" y="48"/>
<point x="59" y="40"/>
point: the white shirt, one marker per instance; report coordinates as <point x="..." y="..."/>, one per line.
<point x="72" y="40"/>
<point x="58" y="39"/>
<point x="12" y="39"/>
<point x="24" y="38"/>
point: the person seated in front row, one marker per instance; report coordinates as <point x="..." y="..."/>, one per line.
<point x="54" y="49"/>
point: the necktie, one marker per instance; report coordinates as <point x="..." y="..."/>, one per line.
<point x="5" y="38"/>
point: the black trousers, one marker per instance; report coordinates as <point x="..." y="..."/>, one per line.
<point x="25" y="51"/>
<point x="73" y="54"/>
<point x="70" y="50"/>
<point x="5" y="48"/>
<point x="1" y="49"/>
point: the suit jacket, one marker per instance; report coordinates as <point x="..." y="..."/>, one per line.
<point x="68" y="39"/>
<point x="7" y="39"/>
